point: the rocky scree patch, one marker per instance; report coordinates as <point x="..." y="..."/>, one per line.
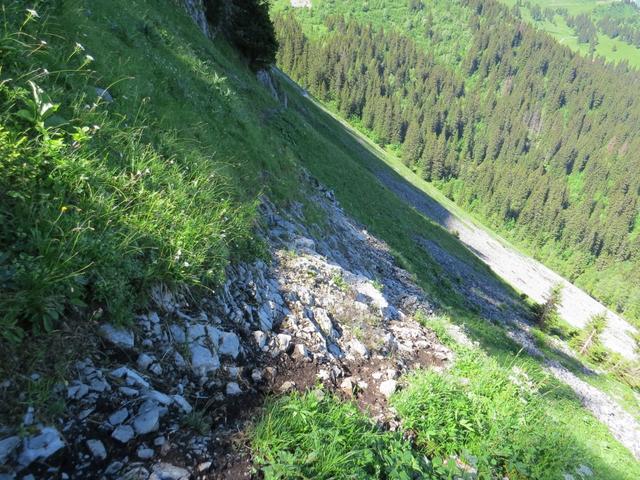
<point x="171" y="398"/>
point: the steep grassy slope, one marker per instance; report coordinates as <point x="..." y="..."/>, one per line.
<point x="188" y="110"/>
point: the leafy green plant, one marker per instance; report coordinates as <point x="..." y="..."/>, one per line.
<point x="94" y="210"/>
<point x="588" y="342"/>
<point x="317" y="436"/>
<point x="490" y="418"/>
<point x="339" y="281"/>
<point x="547" y="313"/>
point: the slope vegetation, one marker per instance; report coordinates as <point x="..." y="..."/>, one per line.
<point x="144" y="198"/>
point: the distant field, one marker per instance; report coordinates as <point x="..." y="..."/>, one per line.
<point x="612" y="49"/>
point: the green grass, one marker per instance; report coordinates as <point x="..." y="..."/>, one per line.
<point x="611" y="49"/>
<point x="317" y="436"/>
<point x="98" y="233"/>
<point x="100" y="201"/>
<point x="478" y="412"/>
<point x="598" y="374"/>
<point x="557" y="409"/>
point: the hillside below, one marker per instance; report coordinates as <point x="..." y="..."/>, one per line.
<point x="205" y="274"/>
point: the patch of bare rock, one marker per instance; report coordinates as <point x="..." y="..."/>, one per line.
<point x="170" y="397"/>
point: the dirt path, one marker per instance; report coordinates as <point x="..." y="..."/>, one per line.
<point x="523" y="273"/>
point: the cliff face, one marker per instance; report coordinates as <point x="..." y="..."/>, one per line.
<point x="197" y="12"/>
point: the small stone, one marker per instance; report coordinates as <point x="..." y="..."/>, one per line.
<point x="283" y="342"/>
<point x="266" y="321"/>
<point x="177" y="333"/>
<point x="358" y="347"/>
<point x="392" y="373"/>
<point x="261" y="338"/>
<point x="233" y="389"/>
<point x="166" y="471"/>
<point x="388" y="387"/>
<point x="203" y="361"/>
<point x="130" y="376"/>
<point x="584" y="471"/>
<point x="85" y="413"/>
<point x="27" y="420"/>
<point x="144" y="361"/>
<point x="96" y="447"/>
<point x="183" y="404"/>
<point x="117" y="336"/>
<point x="148" y="420"/>
<point x="104" y="94"/>
<point x="159" y="397"/>
<point x="179" y="360"/>
<point x="214" y="335"/>
<point x="304" y="244"/>
<point x="113" y="468"/>
<point x="144" y="453"/>
<point x="156" y="369"/>
<point x="229" y="345"/>
<point x="116" y="418"/>
<point x="196" y="333"/>
<point x="347" y="385"/>
<point x="301" y="351"/>
<point x="204" y="466"/>
<point x="99" y="385"/>
<point x="256" y="375"/>
<point x="159" y="441"/>
<point x="40" y="446"/>
<point x="128" y="391"/>
<point x="123" y="433"/>
<point x="7" y="447"/>
<point x="287" y="387"/>
<point x="76" y="392"/>
<point x="324" y="321"/>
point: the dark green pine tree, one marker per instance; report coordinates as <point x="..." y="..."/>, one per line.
<point x="250" y="29"/>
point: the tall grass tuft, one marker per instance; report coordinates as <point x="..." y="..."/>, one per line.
<point x="317" y="436"/>
<point x="490" y="417"/>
